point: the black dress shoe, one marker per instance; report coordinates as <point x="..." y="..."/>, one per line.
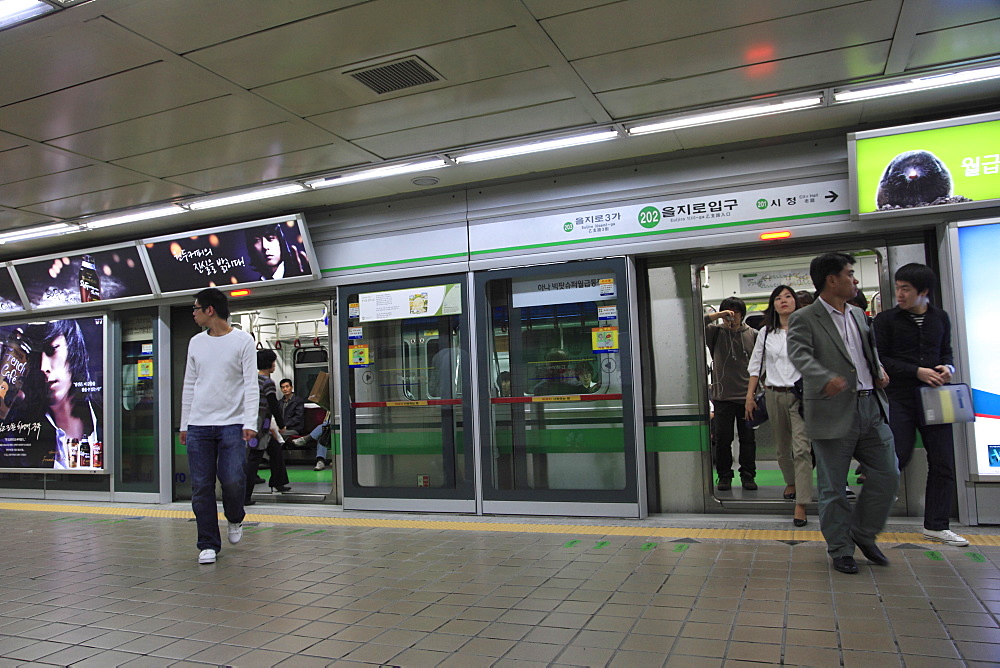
<point x="845" y="565"/>
<point x="249" y="503"/>
<point x="259" y="481"/>
<point x="799" y="523"/>
<point x="872" y="553"/>
<point x="725" y="485"/>
<point x="749" y="484"/>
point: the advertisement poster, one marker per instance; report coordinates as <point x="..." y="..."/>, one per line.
<point x="953" y="165"/>
<point x="429" y="301"/>
<point x="80" y="279"/>
<point x="51" y="385"/>
<point x="246" y="254"/>
<point x="978" y="247"/>
<point x="9" y="299"/>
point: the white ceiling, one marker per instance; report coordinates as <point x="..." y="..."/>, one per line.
<point x="121" y="103"/>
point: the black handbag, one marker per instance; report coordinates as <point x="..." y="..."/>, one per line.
<point x="759" y="414"/>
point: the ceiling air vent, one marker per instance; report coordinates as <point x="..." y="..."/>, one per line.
<point x="397" y="75"/>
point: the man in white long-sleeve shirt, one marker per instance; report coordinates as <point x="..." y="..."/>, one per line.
<point x="218" y="418"/>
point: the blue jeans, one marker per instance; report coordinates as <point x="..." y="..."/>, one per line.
<point x="315" y="434"/>
<point x="216" y="450"/>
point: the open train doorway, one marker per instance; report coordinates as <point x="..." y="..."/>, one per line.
<point x="304" y="468"/>
<point x="751" y="282"/>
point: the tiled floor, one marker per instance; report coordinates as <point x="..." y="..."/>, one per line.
<point x="111" y="585"/>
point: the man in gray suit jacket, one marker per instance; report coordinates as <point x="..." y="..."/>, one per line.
<point x="846" y="411"/>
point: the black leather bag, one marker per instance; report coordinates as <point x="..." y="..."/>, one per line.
<point x="759" y="414"/>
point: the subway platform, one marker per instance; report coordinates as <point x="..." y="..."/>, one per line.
<point x="100" y="584"/>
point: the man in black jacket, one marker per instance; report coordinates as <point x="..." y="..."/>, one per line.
<point x="292" y="409"/>
<point x="914" y="342"/>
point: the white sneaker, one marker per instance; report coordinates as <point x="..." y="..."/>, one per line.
<point x="320" y="465"/>
<point x="946" y="536"/>
<point x="206" y="557"/>
<point x="298" y="442"/>
<point x="235" y="532"/>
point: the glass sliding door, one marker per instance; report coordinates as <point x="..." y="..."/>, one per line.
<point x="555" y="373"/>
<point x="404" y="370"/>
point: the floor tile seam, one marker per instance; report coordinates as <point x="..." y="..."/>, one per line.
<point x="505" y="527"/>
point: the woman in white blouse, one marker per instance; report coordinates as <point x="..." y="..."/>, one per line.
<point x="783" y="406"/>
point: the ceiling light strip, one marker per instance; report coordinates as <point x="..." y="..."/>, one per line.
<point x="135" y="216"/>
<point x="376" y="173"/>
<point x="38" y="232"/>
<point x="249" y="196"/>
<point x="535" y="147"/>
<point x="732" y="114"/>
<point x="918" y="84"/>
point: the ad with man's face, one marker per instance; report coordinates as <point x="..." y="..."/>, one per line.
<point x="51" y="384"/>
<point x="266" y="252"/>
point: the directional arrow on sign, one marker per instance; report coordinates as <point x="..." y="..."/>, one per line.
<point x="832" y="197"/>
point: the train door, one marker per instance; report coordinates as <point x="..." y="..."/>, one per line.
<point x="404" y="370"/>
<point x="558" y="429"/>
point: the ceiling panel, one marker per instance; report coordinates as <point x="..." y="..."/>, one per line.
<point x="318" y="159"/>
<point x="186" y="25"/>
<point x="759" y="46"/>
<point x="447" y="104"/>
<point x="108" y="200"/>
<point x="138" y="92"/>
<point x="746" y="82"/>
<point x="505" y="125"/>
<point x="458" y="61"/>
<point x="8" y="142"/>
<point x="11" y="219"/>
<point x="543" y="9"/>
<point x="375" y="29"/>
<point x="966" y="42"/>
<point x="65" y="58"/>
<point x="635" y="23"/>
<point x="954" y="13"/>
<point x="28" y="162"/>
<point x="187" y="124"/>
<point x="229" y="149"/>
<point x="72" y="182"/>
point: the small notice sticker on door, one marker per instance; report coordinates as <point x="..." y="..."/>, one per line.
<point x="604" y="339"/>
<point x="608" y="287"/>
<point x="355" y="333"/>
<point x="358" y="356"/>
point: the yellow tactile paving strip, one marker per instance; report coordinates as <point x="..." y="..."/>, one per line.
<point x="513" y="527"/>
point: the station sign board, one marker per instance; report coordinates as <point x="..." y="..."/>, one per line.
<point x="940" y="166"/>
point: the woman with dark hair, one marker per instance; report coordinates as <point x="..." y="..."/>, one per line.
<point x="793" y="448"/>
<point x="54" y="388"/>
<point x="272" y="255"/>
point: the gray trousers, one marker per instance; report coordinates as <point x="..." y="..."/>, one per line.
<point x="794" y="451"/>
<point x="870" y="442"/>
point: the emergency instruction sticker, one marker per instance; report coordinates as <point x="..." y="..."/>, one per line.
<point x="358" y="355"/>
<point x="604" y="339"/>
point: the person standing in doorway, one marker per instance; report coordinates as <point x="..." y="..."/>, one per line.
<point x="731" y="343"/>
<point x="218" y="418"/>
<point x="832" y="346"/>
<point x="268" y="410"/>
<point x="914" y="342"/>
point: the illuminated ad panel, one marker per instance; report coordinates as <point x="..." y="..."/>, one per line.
<point x="277" y="249"/>
<point x="51" y="388"/>
<point x="978" y="246"/>
<point x="919" y="168"/>
<point x="9" y="299"/>
<point x="99" y="275"/>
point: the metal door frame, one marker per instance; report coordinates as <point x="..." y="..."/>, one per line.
<point x="632" y="502"/>
<point x="460" y="499"/>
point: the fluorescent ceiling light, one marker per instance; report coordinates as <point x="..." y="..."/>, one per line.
<point x="133" y="217"/>
<point x="727" y="115"/>
<point x="376" y="173"/>
<point x="251" y="196"/>
<point x="535" y="147"/>
<point x="918" y="84"/>
<point x="15" y="11"/>
<point x="38" y="232"/>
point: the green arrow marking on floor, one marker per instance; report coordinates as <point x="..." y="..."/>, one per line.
<point x="571" y="543"/>
<point x="681" y="547"/>
<point x="59" y="519"/>
<point x="647" y="546"/>
<point x="975" y="556"/>
<point x="313" y="533"/>
<point x="601" y="543"/>
<point x="934" y="555"/>
<point x="285" y="533"/>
